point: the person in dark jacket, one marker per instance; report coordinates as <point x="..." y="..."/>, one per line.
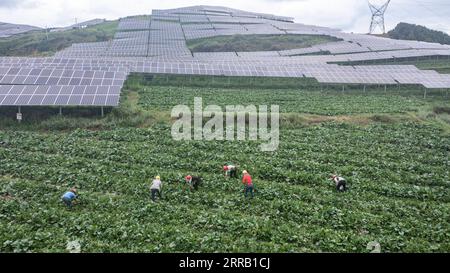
<point x="193" y="181"/>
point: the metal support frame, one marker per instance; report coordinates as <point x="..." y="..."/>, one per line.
<point x="378" y="17"/>
<point x="19" y="112"/>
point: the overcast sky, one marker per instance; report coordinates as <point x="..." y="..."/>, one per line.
<point x="349" y="15"/>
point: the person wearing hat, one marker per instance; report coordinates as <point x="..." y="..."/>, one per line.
<point x="193" y="181"/>
<point x="156" y="188"/>
<point x="69" y="197"/>
<point x="230" y="171"/>
<point x="341" y="183"/>
<point x="248" y="183"/>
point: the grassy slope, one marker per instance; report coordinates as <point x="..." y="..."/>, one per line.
<point x="398" y="172"/>
<point x="36" y="43"/>
<point x="245" y="43"/>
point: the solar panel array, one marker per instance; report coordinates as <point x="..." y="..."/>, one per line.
<point x="134" y="24"/>
<point x="92" y="74"/>
<point x="44" y="84"/>
<point x="44" y="95"/>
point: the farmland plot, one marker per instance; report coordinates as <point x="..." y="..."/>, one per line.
<point x="163" y="98"/>
<point x="398" y="174"/>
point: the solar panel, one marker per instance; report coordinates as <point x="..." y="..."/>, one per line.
<point x="134" y="24"/>
<point x="92" y="74"/>
<point x="59" y="96"/>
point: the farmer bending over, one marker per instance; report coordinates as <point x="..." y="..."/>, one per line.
<point x="193" y="181"/>
<point x="69" y="197"/>
<point x="230" y="171"/>
<point x="341" y="183"/>
<point x="248" y="183"/>
<point x="156" y="188"/>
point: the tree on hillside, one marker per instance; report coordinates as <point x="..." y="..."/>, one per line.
<point x="405" y="31"/>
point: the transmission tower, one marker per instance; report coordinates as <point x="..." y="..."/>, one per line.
<point x="378" y="16"/>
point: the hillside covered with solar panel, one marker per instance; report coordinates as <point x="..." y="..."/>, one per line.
<point x="93" y="74"/>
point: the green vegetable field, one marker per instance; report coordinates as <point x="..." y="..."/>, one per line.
<point x="392" y="148"/>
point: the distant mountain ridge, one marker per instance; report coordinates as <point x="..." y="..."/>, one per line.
<point x="81" y="25"/>
<point x="405" y="31"/>
<point x="8" y="30"/>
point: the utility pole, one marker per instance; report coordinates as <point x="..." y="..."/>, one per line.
<point x="378" y="16"/>
<point x="46" y="31"/>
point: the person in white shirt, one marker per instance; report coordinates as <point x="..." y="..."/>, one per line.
<point x="156" y="188"/>
<point x="230" y="171"/>
<point x="341" y="183"/>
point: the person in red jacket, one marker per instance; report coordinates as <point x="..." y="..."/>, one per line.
<point x="248" y="183"/>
